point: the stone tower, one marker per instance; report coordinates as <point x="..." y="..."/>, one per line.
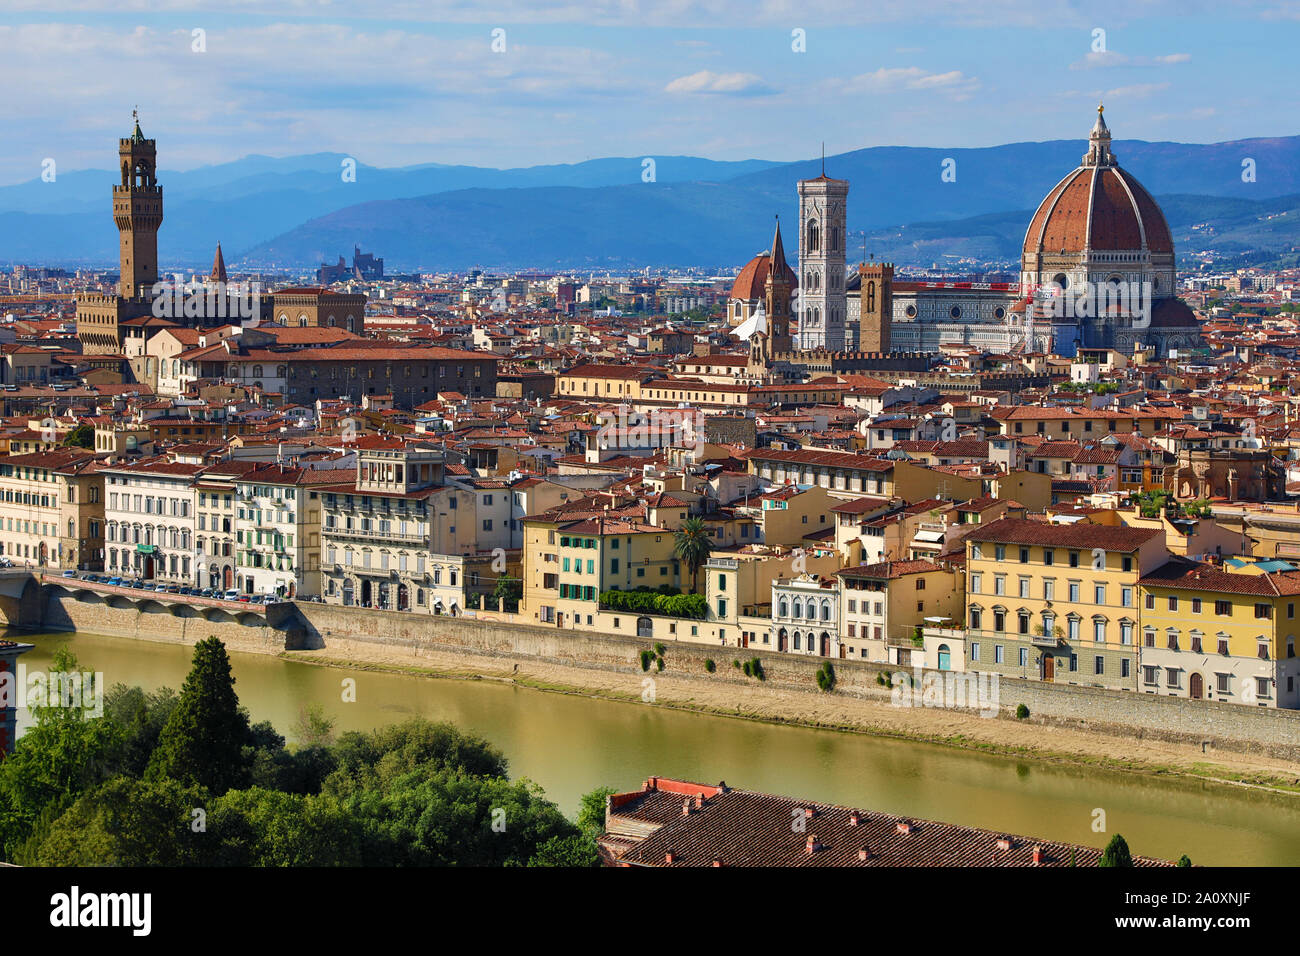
<point x="776" y="297"/>
<point x="877" y="305"/>
<point x="823" y="215"/>
<point x="768" y="329"/>
<point x="138" y="212"/>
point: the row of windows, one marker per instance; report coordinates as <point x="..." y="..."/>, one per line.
<point x="148" y="534"/>
<point x="1099" y="557"/>
<point x="1222" y="681"/>
<point x="1074" y="589"/>
<point x="1263" y="611"/>
<point x="785" y="607"/>
<point x="126" y="560"/>
<point x="1098" y="662"/>
<point x="149" y="505"/>
<point x="1024" y="625"/>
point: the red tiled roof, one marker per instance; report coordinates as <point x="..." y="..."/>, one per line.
<point x="743" y="828"/>
<point x="1077" y="535"/>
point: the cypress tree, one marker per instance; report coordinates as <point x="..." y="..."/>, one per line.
<point x="203" y="741"/>
<point x="1116" y="853"/>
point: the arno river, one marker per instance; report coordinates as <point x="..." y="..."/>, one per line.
<point x="571" y="744"/>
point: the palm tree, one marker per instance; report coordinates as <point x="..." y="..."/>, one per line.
<point x="692" y="547"/>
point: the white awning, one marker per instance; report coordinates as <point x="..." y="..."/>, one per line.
<point x="934" y="537"/>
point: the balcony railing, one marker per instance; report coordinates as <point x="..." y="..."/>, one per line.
<point x="356" y="534"/>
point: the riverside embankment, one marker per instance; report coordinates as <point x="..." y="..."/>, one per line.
<point x="1076" y="724"/>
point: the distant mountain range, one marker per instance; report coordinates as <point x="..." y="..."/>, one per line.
<point x="297" y="212"/>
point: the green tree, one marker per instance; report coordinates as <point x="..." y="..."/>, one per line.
<point x="83" y="436"/>
<point x="260" y="827"/>
<point x="373" y="760"/>
<point x="591" y="810"/>
<point x="435" y="817"/>
<point x="1116" y="853"/>
<point x="508" y="592"/>
<point x="692" y="546"/>
<point x="204" y="740"/>
<point x="65" y="753"/>
<point x="141" y="717"/>
<point x="571" y="851"/>
<point x="314" y="728"/>
<point x="124" y="822"/>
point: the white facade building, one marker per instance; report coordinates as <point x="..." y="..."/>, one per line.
<point x="149" y="521"/>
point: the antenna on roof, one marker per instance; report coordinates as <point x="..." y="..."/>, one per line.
<point x="823" y="157"/>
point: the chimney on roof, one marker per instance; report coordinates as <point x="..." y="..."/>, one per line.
<point x="686" y="807"/>
<point x="1004" y="844"/>
<point x="864" y="853"/>
<point x="717" y="861"/>
<point x="854" y="819"/>
<point x="812" y="844"/>
<point x="904" y="827"/>
<point x="699" y="801"/>
<point x="1038" y="856"/>
<point x="670" y="857"/>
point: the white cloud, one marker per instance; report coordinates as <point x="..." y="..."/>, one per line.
<point x="731" y="84"/>
<point x="896" y="79"/>
<point x="1110" y="58"/>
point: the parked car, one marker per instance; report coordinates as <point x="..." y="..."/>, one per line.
<point x="173" y="589"/>
<point x="159" y="588"/>
<point x="245" y="599"/>
<point x="69" y="574"/>
<point x="232" y="595"/>
<point x="138" y="585"/>
<point x="116" y="582"/>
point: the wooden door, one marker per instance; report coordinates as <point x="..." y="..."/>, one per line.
<point x="1049" y="667"/>
<point x="1197" y="686"/>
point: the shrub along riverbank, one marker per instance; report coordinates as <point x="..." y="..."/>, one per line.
<point x="171" y="779"/>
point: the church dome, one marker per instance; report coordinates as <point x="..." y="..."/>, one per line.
<point x="752" y="281"/>
<point x="1098" y="207"/>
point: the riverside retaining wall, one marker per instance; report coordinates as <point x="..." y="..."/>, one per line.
<point x="1124" y="713"/>
<point x="1211" y="725"/>
<point x="62" y="611"/>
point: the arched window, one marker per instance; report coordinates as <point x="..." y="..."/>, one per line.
<point x="798" y="609"/>
<point x="871" y="296"/>
<point x="784" y="608"/>
<point x="814" y="236"/>
<point x="257" y="371"/>
<point x="826" y="610"/>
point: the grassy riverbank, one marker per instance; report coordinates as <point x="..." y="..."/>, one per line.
<point x="1031" y="739"/>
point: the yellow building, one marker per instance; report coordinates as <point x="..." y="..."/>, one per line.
<point x="602" y="381"/>
<point x="568" y="564"/>
<point x="1057" y="602"/>
<point x="884" y="606"/>
<point x="1222" y="633"/>
<point x="51" y="509"/>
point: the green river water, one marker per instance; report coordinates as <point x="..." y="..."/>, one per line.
<point x="571" y="744"/>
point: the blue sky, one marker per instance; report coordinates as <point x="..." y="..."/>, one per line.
<point x="415" y="81"/>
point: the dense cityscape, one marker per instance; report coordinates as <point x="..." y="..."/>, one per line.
<point x="996" y="557"/>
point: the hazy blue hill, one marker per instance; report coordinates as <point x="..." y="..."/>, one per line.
<point x="296" y="211"/>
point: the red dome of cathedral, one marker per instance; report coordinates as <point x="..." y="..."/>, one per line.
<point x="1099" y="207"/>
<point x="752" y="281"/>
